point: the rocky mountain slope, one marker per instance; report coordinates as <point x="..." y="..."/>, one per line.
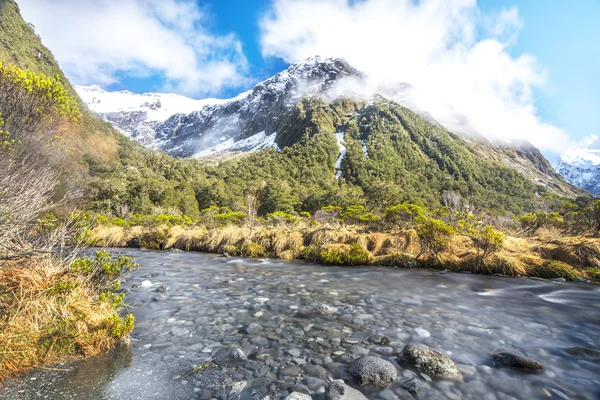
<point x="580" y="164"/>
<point x="261" y="118"/>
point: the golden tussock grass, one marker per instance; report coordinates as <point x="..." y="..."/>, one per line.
<point x="48" y="314"/>
<point x="520" y="256"/>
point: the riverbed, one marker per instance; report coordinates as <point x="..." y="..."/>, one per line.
<point x="206" y="303"/>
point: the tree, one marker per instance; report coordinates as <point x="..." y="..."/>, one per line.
<point x="277" y="196"/>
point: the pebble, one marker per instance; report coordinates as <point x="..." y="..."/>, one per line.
<point x="422" y="332"/>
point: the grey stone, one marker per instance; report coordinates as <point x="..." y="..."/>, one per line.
<point x="232" y="357"/>
<point x="518" y="362"/>
<point x="413" y="386"/>
<point x="290" y="371"/>
<point x="294" y="352"/>
<point x="163" y="289"/>
<point x="429" y="361"/>
<point x="338" y="390"/>
<point x="316" y="371"/>
<point x="253" y="328"/>
<point x="372" y="371"/>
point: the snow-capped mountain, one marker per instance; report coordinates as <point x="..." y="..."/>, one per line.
<point x="202" y="128"/>
<point x="261" y="111"/>
<point x="137" y="115"/>
<point x="580" y="164"/>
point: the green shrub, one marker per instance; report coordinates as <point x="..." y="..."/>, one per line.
<point x="229" y="218"/>
<point x="253" y="250"/>
<point x="231" y="249"/>
<point x="488" y="241"/>
<point x="404" y="214"/>
<point x="151" y="239"/>
<point x="341" y="255"/>
<point x="369" y="218"/>
<point x="282" y="218"/>
<point x="352" y="214"/>
<point x="434" y="236"/>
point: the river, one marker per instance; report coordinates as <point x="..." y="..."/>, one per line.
<point x="213" y="299"/>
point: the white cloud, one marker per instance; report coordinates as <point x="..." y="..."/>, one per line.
<point x="455" y="56"/>
<point x="96" y="40"/>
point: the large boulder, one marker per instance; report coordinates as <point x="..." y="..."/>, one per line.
<point x="338" y="390"/>
<point x="516" y="361"/>
<point x="429" y="361"/>
<point x="233" y="357"/>
<point x="372" y="371"/>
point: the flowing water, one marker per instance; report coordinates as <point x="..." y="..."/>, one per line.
<point x="212" y="299"/>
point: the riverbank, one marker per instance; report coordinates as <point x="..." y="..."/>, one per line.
<point x="52" y="311"/>
<point x="544" y="256"/>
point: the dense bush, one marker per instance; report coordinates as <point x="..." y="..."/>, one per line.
<point x="434" y="236"/>
<point x="488" y="241"/>
<point x="344" y="255"/>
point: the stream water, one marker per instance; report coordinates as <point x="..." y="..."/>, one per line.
<point x="213" y="299"/>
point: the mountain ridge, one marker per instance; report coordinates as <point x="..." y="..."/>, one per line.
<point x="580" y="164"/>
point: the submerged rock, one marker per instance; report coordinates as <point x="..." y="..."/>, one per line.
<point x="518" y="362"/>
<point x="372" y="371"/>
<point x="322" y="310"/>
<point x="429" y="361"/>
<point x="582" y="351"/>
<point x="338" y="390"/>
<point x="232" y="357"/>
<point x="253" y="328"/>
<point x="163" y="289"/>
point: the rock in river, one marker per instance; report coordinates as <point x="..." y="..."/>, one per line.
<point x="322" y="310"/>
<point x="372" y="371"/>
<point x="429" y="361"/>
<point x="232" y="357"/>
<point x="582" y="351"/>
<point x="338" y="390"/>
<point x="518" y="362"/>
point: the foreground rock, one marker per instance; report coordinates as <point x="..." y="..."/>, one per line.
<point x="338" y="390"/>
<point x="372" y="371"/>
<point x="232" y="357"/>
<point x="429" y="361"/>
<point x="583" y="352"/>
<point x="518" y="362"/>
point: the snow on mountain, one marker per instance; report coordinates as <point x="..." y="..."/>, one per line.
<point x="256" y="142"/>
<point x="580" y="164"/>
<point x="137" y="115"/>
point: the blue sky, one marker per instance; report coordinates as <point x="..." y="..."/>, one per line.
<point x="517" y="69"/>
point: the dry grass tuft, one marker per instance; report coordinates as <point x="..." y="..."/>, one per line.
<point x="48" y="314"/>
